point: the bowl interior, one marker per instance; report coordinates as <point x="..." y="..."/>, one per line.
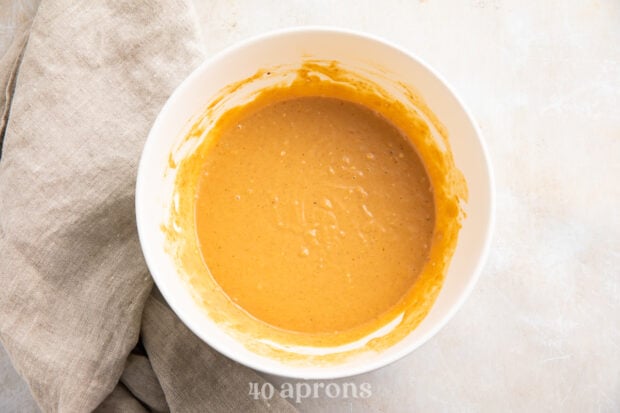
<point x="291" y="47"/>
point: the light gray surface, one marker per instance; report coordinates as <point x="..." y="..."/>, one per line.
<point x="541" y="330"/>
<point x="14" y="393"/>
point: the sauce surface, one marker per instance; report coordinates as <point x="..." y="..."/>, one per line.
<point x="314" y="214"/>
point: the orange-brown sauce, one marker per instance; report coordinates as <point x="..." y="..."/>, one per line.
<point x="191" y="155"/>
<point x="314" y="214"/>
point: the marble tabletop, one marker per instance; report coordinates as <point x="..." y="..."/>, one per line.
<point x="541" y="331"/>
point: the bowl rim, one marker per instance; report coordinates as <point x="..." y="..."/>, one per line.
<point x="342" y="370"/>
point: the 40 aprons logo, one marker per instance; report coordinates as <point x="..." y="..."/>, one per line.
<point x="300" y="391"/>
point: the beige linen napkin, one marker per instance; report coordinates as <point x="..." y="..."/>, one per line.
<point x="75" y="294"/>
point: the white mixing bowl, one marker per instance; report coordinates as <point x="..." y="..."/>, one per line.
<point x="291" y="47"/>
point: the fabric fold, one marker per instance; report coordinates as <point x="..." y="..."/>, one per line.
<point x="10" y="61"/>
<point x="194" y="377"/>
<point x="140" y="379"/>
